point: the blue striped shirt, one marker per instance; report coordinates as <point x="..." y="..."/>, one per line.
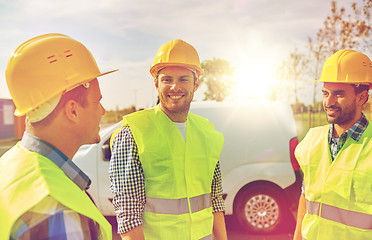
<point x="49" y="219"/>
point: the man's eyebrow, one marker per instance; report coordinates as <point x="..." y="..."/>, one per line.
<point x="339" y="91"/>
<point x="335" y="91"/>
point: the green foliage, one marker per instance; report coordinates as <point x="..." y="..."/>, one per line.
<point x="218" y="79"/>
<point x="292" y="71"/>
<point x="344" y="27"/>
<point x="114" y="116"/>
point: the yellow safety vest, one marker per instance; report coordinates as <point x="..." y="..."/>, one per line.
<point x="339" y="193"/>
<point x="178" y="174"/>
<point x="27" y="177"/>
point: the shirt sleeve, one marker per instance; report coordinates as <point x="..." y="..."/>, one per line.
<point x="218" y="204"/>
<point x="303" y="188"/>
<point x="49" y="219"/>
<point x="127" y="181"/>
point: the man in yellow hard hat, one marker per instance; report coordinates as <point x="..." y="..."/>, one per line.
<point x="336" y="202"/>
<point x="164" y="170"/>
<point x="52" y="79"/>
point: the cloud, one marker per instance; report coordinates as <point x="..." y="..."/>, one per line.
<point x="126" y="34"/>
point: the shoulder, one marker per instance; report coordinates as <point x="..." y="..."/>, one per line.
<point x="314" y="136"/>
<point x="121" y="135"/>
<point x="200" y="120"/>
<point x="141" y="119"/>
<point x="317" y="132"/>
<point x="24" y="161"/>
<point x="205" y="127"/>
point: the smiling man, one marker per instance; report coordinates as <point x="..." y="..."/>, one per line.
<point x="336" y="202"/>
<point x="164" y="170"/>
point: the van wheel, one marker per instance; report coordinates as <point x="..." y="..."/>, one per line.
<point x="260" y="209"/>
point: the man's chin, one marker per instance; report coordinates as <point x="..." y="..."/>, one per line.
<point x="331" y="119"/>
<point x="95" y="141"/>
<point x="179" y="108"/>
<point x="98" y="139"/>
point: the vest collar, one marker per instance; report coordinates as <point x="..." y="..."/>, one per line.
<point x="47" y="150"/>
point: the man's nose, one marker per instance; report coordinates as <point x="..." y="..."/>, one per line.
<point x="329" y="100"/>
<point x="175" y="86"/>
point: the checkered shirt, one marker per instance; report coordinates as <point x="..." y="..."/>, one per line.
<point x="128" y="186"/>
<point x="355" y="132"/>
<point x="49" y="219"/>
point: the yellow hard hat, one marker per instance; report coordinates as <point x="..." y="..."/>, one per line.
<point x="46" y="66"/>
<point x="347" y="66"/>
<point x="177" y="53"/>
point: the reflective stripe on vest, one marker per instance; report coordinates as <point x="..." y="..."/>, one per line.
<point x="346" y="217"/>
<point x="209" y="237"/>
<point x="177" y="206"/>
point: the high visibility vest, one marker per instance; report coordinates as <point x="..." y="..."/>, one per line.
<point x="338" y="193"/>
<point x="178" y="174"/>
<point x="27" y="177"/>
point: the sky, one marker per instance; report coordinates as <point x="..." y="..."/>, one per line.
<point x="255" y="36"/>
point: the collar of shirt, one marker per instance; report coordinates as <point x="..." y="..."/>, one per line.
<point x="72" y="171"/>
<point x="355" y="132"/>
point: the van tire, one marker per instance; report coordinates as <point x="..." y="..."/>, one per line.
<point x="260" y="208"/>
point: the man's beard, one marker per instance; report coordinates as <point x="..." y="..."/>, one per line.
<point x="346" y="114"/>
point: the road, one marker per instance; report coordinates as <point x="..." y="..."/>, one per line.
<point x="234" y="232"/>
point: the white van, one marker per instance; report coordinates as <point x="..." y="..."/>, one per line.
<point x="260" y="176"/>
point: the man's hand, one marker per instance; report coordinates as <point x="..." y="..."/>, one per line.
<point x="219" y="227"/>
<point x="134" y="234"/>
<point x="300" y="216"/>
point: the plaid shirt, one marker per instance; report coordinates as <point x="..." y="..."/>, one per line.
<point x="128" y="187"/>
<point x="355" y="132"/>
<point x="49" y="219"/>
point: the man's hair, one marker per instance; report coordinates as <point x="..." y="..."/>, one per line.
<point x="358" y="88"/>
<point x="195" y="77"/>
<point x="79" y="94"/>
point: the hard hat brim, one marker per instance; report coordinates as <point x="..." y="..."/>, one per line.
<point x="157" y="67"/>
<point x="24" y="112"/>
<point x="362" y="83"/>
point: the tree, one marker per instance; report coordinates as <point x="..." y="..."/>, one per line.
<point x="218" y="78"/>
<point x="343" y="28"/>
<point x="317" y="57"/>
<point x="363" y="22"/>
<point x="292" y="72"/>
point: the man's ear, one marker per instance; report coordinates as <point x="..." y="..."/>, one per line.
<point x="71" y="110"/>
<point x="363" y="97"/>
<point x="197" y="82"/>
<point x="156" y="82"/>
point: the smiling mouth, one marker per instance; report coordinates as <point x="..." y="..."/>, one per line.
<point x="331" y="111"/>
<point x="175" y="97"/>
